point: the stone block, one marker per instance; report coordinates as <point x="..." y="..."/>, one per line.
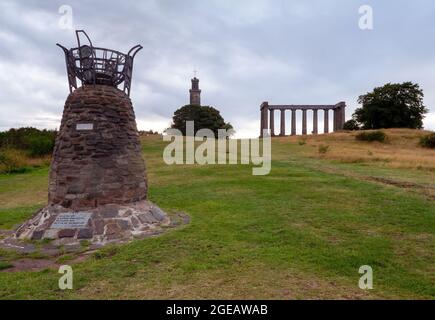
<point x="84" y="234"/>
<point x="66" y="233"/>
<point x="108" y="211"/>
<point x="112" y="228"/>
<point x="158" y="213"/>
<point x="50" y="234"/>
<point x="37" y="235"/>
<point x="99" y="227"/>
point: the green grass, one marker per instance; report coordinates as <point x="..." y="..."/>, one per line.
<point x="300" y="232"/>
<point x="5" y="265"/>
<point x="14" y="216"/>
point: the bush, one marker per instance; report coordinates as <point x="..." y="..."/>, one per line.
<point x="371" y="136"/>
<point x="351" y="125"/>
<point x="35" y="142"/>
<point x="323" y="148"/>
<point x="5" y="265"/>
<point x="428" y="141"/>
<point x="40" y="146"/>
<point x="12" y="160"/>
<point x="302" y="142"/>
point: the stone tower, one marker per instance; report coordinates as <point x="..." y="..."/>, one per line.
<point x="195" y="93"/>
<point x="97" y="182"/>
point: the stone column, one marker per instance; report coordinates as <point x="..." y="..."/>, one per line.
<point x="339" y="118"/>
<point x="334" y="119"/>
<point x="282" y="128"/>
<point x="264" y="117"/>
<point x="343" y="114"/>
<point x="293" y="128"/>
<point x="315" y="130"/>
<point x="304" y="121"/>
<point x="261" y="122"/>
<point x="326" y="121"/>
<point x="272" y="122"/>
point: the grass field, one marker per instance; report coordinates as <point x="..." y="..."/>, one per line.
<point x="303" y="231"/>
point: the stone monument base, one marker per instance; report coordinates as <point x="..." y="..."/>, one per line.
<point x="102" y="225"/>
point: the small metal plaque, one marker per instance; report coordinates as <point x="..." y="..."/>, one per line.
<point x="77" y="220"/>
<point x="84" y="126"/>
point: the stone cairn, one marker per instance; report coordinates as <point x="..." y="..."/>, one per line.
<point x="97" y="182"/>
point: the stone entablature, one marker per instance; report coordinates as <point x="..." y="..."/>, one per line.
<point x="268" y="118"/>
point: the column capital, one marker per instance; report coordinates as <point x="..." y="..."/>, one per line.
<point x="341" y="104"/>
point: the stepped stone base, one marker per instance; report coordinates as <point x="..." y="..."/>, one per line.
<point x="101" y="225"/>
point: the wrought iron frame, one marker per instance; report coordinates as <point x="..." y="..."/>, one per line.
<point x="95" y="65"/>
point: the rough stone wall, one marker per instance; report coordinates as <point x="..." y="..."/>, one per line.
<point x="101" y="165"/>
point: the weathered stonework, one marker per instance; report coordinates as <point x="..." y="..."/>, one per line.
<point x="108" y="223"/>
<point x="102" y="165"/>
<point x="97" y="183"/>
<point x="267" y="121"/>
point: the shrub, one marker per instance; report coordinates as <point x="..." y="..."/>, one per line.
<point x="351" y="125"/>
<point x="40" y="146"/>
<point x="323" y="148"/>
<point x="35" y="142"/>
<point x="302" y="142"/>
<point x="371" y="136"/>
<point x="12" y="160"/>
<point x="5" y="265"/>
<point x="428" y="141"/>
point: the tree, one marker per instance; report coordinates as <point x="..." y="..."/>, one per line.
<point x="351" y="125"/>
<point x="204" y="117"/>
<point x="393" y="105"/>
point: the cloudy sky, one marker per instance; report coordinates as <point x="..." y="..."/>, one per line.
<point x="245" y="51"/>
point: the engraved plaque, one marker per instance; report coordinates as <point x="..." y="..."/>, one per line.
<point x="77" y="220"/>
<point x="84" y="126"/>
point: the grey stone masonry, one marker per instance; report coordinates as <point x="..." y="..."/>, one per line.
<point x="293" y="131"/>
<point x="272" y="122"/>
<point x="282" y="128"/>
<point x="315" y="129"/>
<point x="264" y="117"/>
<point x="339" y="117"/>
<point x="304" y="121"/>
<point x="107" y="223"/>
<point x="195" y="93"/>
<point x="97" y="157"/>
<point x="97" y="182"/>
<point x="326" y="121"/>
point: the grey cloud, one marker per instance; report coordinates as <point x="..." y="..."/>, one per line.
<point x="246" y="52"/>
